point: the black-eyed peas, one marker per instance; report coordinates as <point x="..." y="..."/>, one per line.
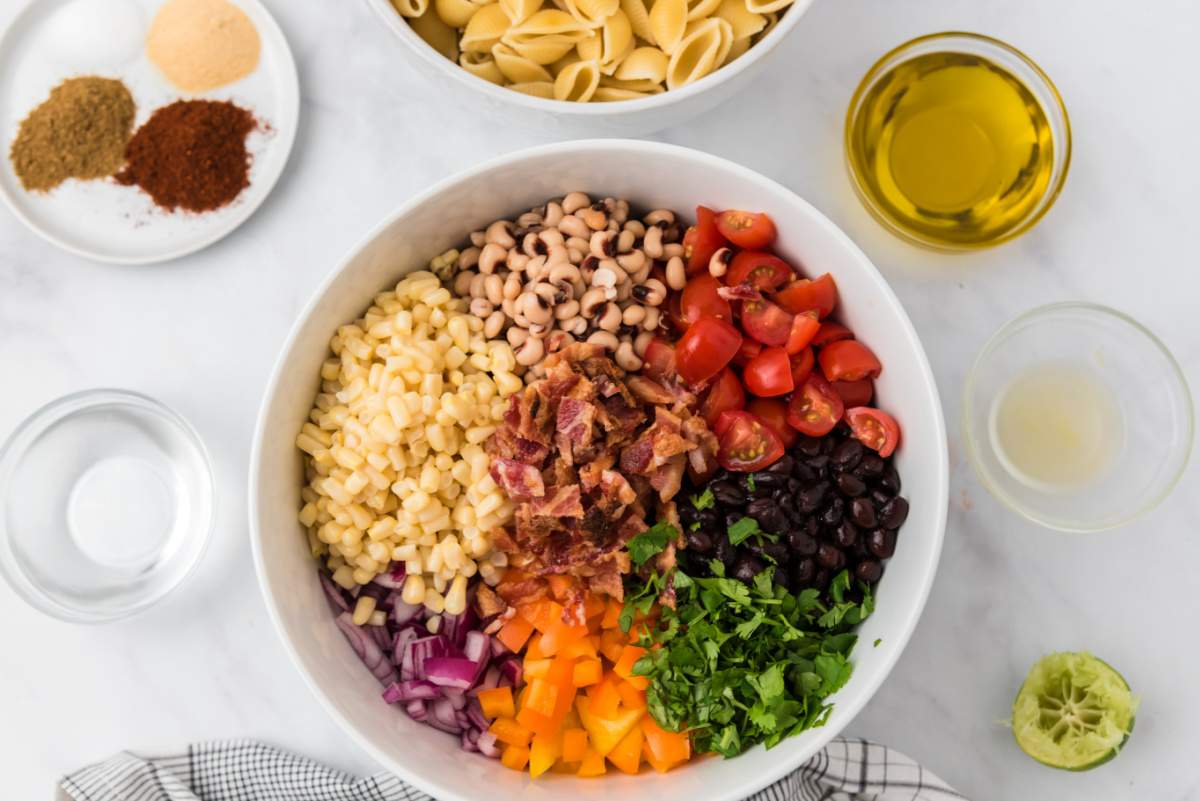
<point x="719" y="262"/>
<point x="574" y="269"/>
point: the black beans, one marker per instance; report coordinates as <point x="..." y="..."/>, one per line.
<point x="802" y="543"/>
<point x="848" y="454"/>
<point x="893" y="513"/>
<point x="851" y="485"/>
<point x="728" y="493"/>
<point x="845" y="535"/>
<point x="830" y="556"/>
<point x="803" y="571"/>
<point x="882" y="543"/>
<point x="868" y="571"/>
<point x="829" y="504"/>
<point x="699" y="541"/>
<point x="862" y="512"/>
<point x="747" y="567"/>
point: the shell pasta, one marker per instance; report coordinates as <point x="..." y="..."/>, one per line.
<point x="591" y="50"/>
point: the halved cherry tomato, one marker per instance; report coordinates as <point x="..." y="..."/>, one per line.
<point x="747" y="351"/>
<point x="874" y="428"/>
<point x="766" y="322"/>
<point x="848" y="360"/>
<point x="746" y="229"/>
<point x="815" y="408"/>
<point x="831" y="332"/>
<point x="802" y="364"/>
<point x="659" y="359"/>
<point x="819" y="295"/>
<point x="855" y="393"/>
<point x="769" y="374"/>
<point x="707" y="346"/>
<point x="746" y="443"/>
<point x="804" y="328"/>
<point x="675" y="312"/>
<point x="701" y="241"/>
<point x="725" y="394"/>
<point x="700" y="298"/>
<point x="773" y="412"/>
<point x="762" y="271"/>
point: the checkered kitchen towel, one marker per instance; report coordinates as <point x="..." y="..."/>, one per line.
<point x="241" y="770"/>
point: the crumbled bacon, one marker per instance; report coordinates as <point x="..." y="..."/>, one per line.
<point x="488" y="602"/>
<point x="742" y="291"/>
<point x="609" y="450"/>
<point x="520" y="481"/>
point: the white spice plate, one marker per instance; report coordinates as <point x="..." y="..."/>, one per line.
<point x="101" y="219"/>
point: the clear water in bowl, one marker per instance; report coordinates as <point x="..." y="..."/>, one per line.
<point x="106" y="505"/>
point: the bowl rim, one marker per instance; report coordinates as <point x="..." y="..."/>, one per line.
<point x="41" y="420"/>
<point x="975" y="449"/>
<point x="892" y="58"/>
<point x="569" y="108"/>
<point x="939" y="455"/>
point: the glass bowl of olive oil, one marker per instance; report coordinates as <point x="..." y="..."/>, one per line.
<point x="1077" y="417"/>
<point x="957" y="141"/>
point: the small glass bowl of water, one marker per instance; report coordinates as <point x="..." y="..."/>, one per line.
<point x="1077" y="417"/>
<point x="106" y="505"/>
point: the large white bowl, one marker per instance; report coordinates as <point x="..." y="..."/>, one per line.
<point x="649" y="175"/>
<point x="621" y="118"/>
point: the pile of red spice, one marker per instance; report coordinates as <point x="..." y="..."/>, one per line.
<point x="191" y="155"/>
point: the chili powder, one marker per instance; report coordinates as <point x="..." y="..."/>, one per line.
<point x="191" y="155"/>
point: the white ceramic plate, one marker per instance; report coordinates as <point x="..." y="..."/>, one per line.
<point x="649" y="175"/>
<point x="101" y="219"/>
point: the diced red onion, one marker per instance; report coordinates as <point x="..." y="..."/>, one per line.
<point x="450" y="671"/>
<point x="456" y="698"/>
<point x="411" y="691"/>
<point x="466" y="743"/>
<point x="487" y="745"/>
<point x="366" y="648"/>
<point x="393" y="578"/>
<point x="417" y="711"/>
<point x="475" y="715"/>
<point x="334" y="594"/>
<point x="404" y="612"/>
<point x="403" y="637"/>
<point x="511" y="672"/>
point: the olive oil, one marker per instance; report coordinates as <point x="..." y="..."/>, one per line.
<point x="952" y="149"/>
<point x="1056" y="426"/>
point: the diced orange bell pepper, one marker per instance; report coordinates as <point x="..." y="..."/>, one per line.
<point x="515" y="757"/>
<point x="542" y="614"/>
<point x="559" y="635"/>
<point x="612" y="614"/>
<point x="612" y="643"/>
<point x="592" y="764"/>
<point x="574" y="745"/>
<point x="515" y="633"/>
<point x="653" y="761"/>
<point x="560" y="585"/>
<point x="605" y="734"/>
<point x="497" y="702"/>
<point x="603" y="699"/>
<point x="632" y="697"/>
<point x="543" y="752"/>
<point x="627" y="756"/>
<point x="581" y="648"/>
<point x="669" y="747"/>
<point x="536" y="722"/>
<point x="535" y="668"/>
<point x="542" y="697"/>
<point x="533" y="650"/>
<point x="624" y="666"/>
<point x="594" y="608"/>
<point x="510" y="732"/>
<point x="587" y="672"/>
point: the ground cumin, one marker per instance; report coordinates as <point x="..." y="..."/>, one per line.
<point x="191" y="155"/>
<point x="80" y="131"/>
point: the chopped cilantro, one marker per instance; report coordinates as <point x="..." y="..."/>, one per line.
<point x="650" y="542"/>
<point x="877" y="641"/>
<point x="742" y="530"/>
<point x="705" y="500"/>
<point x="740" y="664"/>
<point x="751" y="484"/>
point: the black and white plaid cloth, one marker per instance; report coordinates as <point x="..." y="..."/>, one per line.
<point x="241" y="770"/>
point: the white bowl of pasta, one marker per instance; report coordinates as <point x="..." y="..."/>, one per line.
<point x="588" y="67"/>
<point x="649" y="175"/>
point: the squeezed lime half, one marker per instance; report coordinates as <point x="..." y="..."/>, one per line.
<point x="1073" y="712"/>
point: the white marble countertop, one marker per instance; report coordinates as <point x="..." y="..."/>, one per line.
<point x="200" y="334"/>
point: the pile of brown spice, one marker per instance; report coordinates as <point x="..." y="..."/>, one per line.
<point x="191" y="155"/>
<point x="80" y="131"/>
